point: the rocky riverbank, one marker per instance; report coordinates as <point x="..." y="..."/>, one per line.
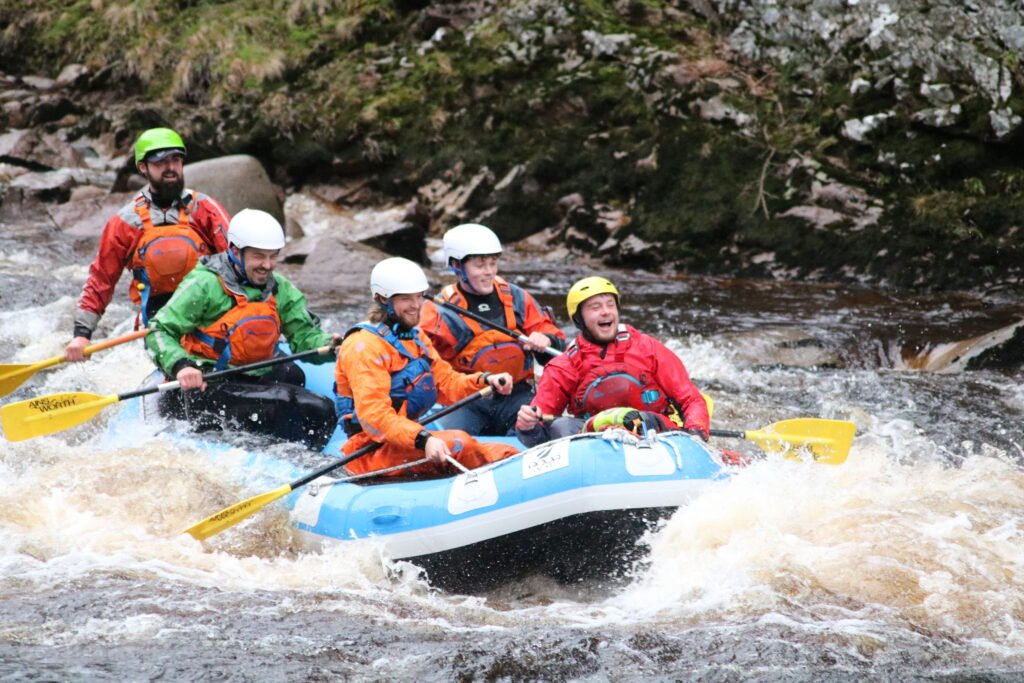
<point x="858" y="140"/>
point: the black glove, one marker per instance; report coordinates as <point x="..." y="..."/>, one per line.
<point x="698" y="432"/>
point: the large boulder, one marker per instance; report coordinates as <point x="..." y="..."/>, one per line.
<point x="237" y="181"/>
<point x="84" y="218"/>
<point x="397" y="230"/>
<point x="337" y="267"/>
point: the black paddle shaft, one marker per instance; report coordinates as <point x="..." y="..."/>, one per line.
<point x="728" y="433"/>
<point x="322" y="350"/>
<point x="370" y="447"/>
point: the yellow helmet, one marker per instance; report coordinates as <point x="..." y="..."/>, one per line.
<point x="586" y="288"/>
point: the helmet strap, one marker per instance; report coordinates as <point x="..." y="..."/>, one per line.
<point x="239" y="264"/>
<point x="460" y="275"/>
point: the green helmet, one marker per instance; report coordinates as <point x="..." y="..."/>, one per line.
<point x="156" y="139"/>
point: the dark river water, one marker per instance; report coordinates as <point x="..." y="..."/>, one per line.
<point x="904" y="563"/>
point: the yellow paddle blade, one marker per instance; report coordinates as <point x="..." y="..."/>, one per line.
<point x="13" y="375"/>
<point x="49" y="414"/>
<point x="828" y="441"/>
<point x="231" y="516"/>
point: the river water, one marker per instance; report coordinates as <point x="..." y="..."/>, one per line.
<point x="904" y="563"/>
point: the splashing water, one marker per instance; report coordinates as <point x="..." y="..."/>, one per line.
<point x="905" y="559"/>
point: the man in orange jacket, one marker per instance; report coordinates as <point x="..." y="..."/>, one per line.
<point x="388" y="375"/>
<point x="472" y="252"/>
<point x="609" y="366"/>
<point x="160" y="235"/>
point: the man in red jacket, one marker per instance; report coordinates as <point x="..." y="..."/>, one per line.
<point x="160" y="235"/>
<point x="610" y="366"/>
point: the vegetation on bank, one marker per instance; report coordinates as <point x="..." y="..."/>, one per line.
<point x="639" y="106"/>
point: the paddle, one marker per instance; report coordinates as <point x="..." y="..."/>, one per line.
<point x="828" y="440"/>
<point x="12" y="375"/>
<point x="57" y="412"/>
<point x="231" y="516"/>
<point x="514" y="334"/>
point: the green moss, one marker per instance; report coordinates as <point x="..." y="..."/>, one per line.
<point x="321" y="87"/>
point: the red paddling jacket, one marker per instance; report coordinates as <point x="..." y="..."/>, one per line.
<point x="634" y="371"/>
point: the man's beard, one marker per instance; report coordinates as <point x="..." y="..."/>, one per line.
<point x="403" y="321"/>
<point x="166" y="191"/>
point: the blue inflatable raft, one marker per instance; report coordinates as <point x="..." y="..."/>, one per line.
<point x="571" y="509"/>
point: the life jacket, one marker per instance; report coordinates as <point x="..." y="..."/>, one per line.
<point x="412" y="387"/>
<point x="246" y="333"/>
<point x="165" y="254"/>
<point x="480" y="349"/>
<point x="619" y="382"/>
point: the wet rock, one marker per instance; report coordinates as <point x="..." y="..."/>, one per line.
<point x="716" y="109"/>
<point x="858" y="130"/>
<point x="704" y="8"/>
<point x="237" y="181"/>
<point x="395" y="230"/>
<point x="39" y="82"/>
<point x="87" y="192"/>
<point x="46" y="186"/>
<point x="938" y="94"/>
<point x="630" y="251"/>
<point x="50" y="108"/>
<point x="37" y="151"/>
<point x="1003" y="121"/>
<point x="15" y="94"/>
<point x="447" y="200"/>
<point x="940" y="117"/>
<point x="355" y="191"/>
<point x="9" y="171"/>
<point x="832" y="202"/>
<point x="337" y="265"/>
<point x="1002" y="348"/>
<point x="818" y="216"/>
<point x="84" y="217"/>
<point x="127" y="177"/>
<point x="782" y="346"/>
<point x="545" y="245"/>
<point x="73" y="75"/>
<point x="14" y="115"/>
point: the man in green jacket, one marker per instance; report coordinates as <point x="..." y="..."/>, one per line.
<point x="231" y="310"/>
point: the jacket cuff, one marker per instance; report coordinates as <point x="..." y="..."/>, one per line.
<point x="82" y="331"/>
<point x="85" y="320"/>
<point x="181" y="364"/>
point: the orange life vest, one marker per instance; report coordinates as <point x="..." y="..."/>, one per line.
<point x="487" y="350"/>
<point x="165" y="254"/>
<point x="246" y="333"/>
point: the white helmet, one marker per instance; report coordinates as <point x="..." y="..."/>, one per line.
<point x="470" y="239"/>
<point x="255" y="228"/>
<point x="397" y="275"/>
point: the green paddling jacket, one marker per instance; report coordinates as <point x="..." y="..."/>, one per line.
<point x="201" y="300"/>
